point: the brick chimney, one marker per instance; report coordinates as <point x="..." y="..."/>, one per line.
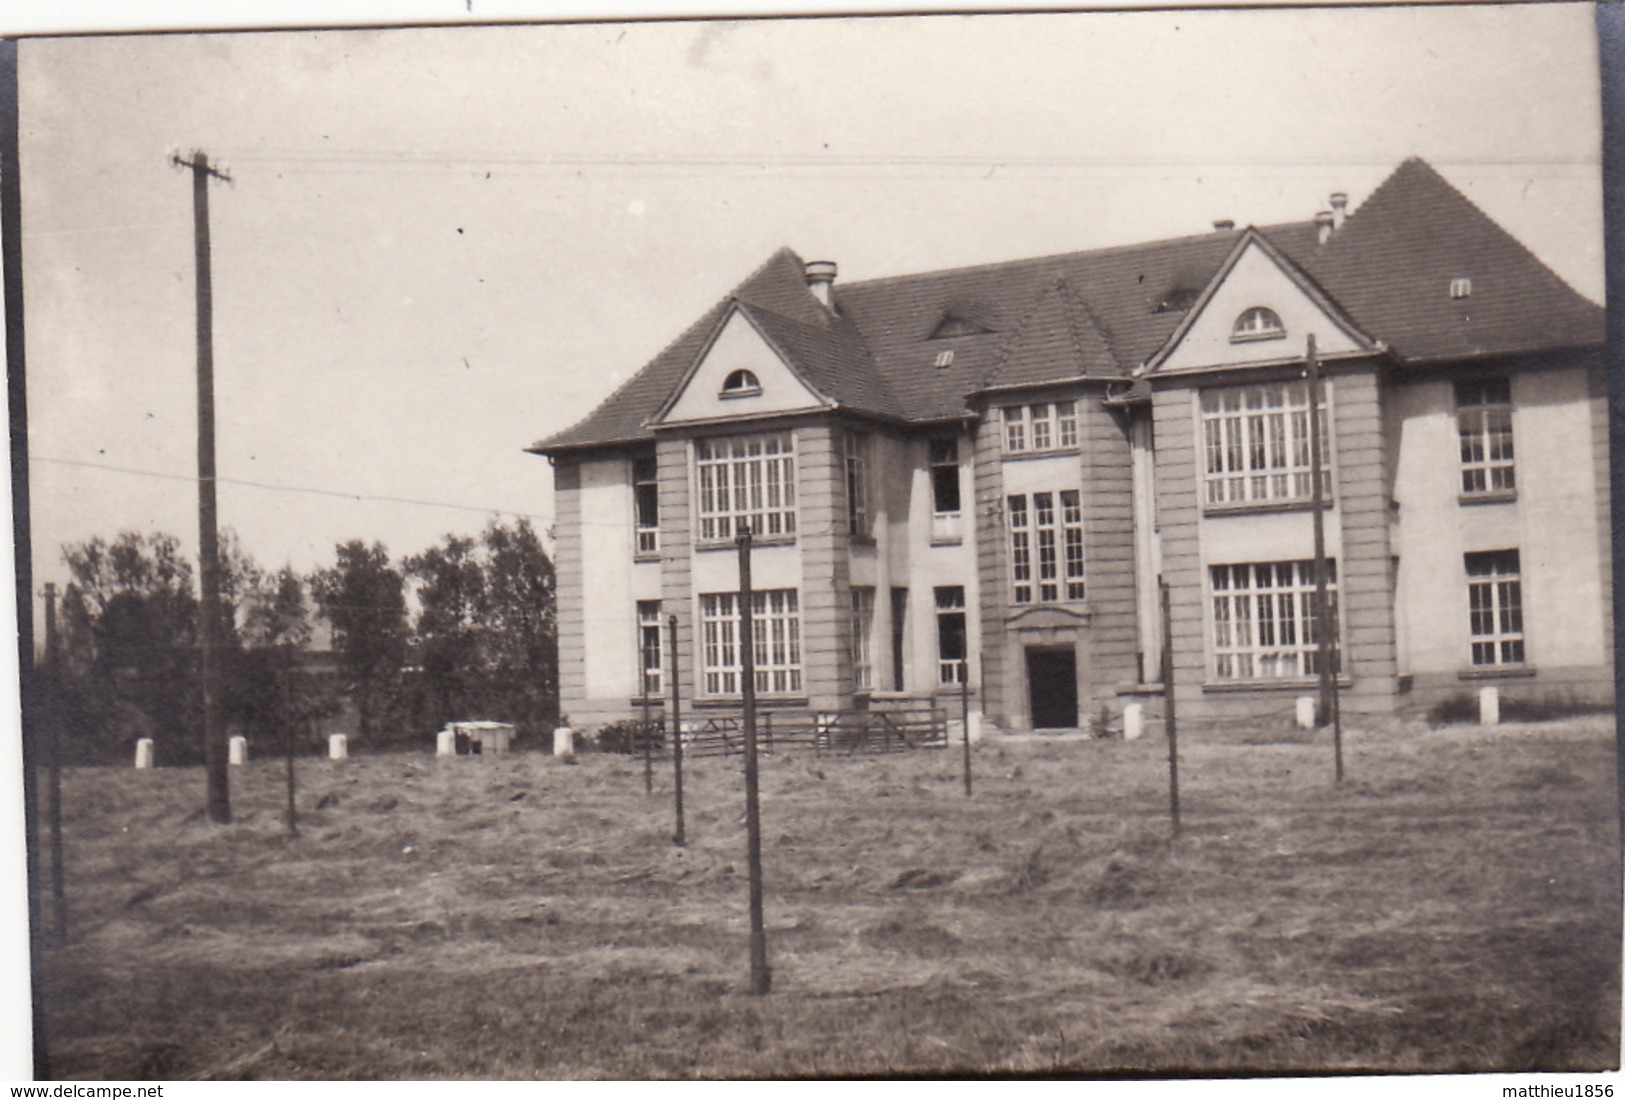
<point x="1340" y="209"/>
<point x="821" y="280"/>
<point x="1323" y="225"/>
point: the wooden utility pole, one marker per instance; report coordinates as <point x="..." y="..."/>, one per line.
<point x="759" y="977"/>
<point x="288" y="726"/>
<point x="1169" y="718"/>
<point x="676" y="734"/>
<point x="53" y="740"/>
<point x="1328" y="710"/>
<point x="964" y="715"/>
<point x="214" y="749"/>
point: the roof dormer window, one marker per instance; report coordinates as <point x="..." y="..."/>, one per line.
<point x="1257" y="323"/>
<point x="741" y="383"/>
<point x="1461" y="287"/>
<point x="954" y="325"/>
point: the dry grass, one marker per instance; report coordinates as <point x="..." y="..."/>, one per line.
<point x="1453" y="906"/>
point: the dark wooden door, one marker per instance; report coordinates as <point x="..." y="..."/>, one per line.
<point x="1052" y="686"/>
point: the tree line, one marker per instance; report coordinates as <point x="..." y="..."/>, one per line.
<point x="385" y="651"/>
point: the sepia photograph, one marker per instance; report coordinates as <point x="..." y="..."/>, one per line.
<point x="931" y="545"/>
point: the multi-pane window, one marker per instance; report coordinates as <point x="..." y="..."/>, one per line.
<point x="646" y="503"/>
<point x="649" y="648"/>
<point x="1495" y="605"/>
<point x="856" y="451"/>
<point x="951" y="636"/>
<point x="746" y="480"/>
<point x="863" y="624"/>
<point x="1021" y="554"/>
<point x="1484" y="421"/>
<point x="1255" y="440"/>
<point x="1264" y="619"/>
<point x="1257" y="323"/>
<point x="945" y="476"/>
<point x="776" y="623"/>
<point x="1045" y="426"/>
<point x="1046" y="546"/>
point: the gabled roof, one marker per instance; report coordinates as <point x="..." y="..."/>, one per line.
<point x="1386" y="272"/>
<point x="1057" y="341"/>
<point x="778" y="287"/>
<point x="1391" y="263"/>
<point x="1251" y="238"/>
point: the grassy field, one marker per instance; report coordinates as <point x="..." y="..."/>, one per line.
<point x="1454" y="905"/>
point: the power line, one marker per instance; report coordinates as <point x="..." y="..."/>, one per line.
<point x="312" y="490"/>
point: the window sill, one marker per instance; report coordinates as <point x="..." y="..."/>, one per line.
<point x="734" y="702"/>
<point x="1052" y="452"/>
<point x="646" y="556"/>
<point x="650" y="701"/>
<point x="1497" y="672"/>
<point x="1257" y="337"/>
<point x="1262" y="507"/>
<point x="756" y="542"/>
<point x="1296" y="684"/>
<point x="861" y="540"/>
<point x="956" y="540"/>
<point x="733" y="395"/>
<point x="1490" y="496"/>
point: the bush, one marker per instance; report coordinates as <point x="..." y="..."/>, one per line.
<point x="1462" y="709"/>
<point x="627" y="736"/>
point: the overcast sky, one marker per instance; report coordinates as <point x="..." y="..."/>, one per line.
<point x="439" y="246"/>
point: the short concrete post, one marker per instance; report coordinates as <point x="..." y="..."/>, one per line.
<point x="564" y="743"/>
<point x="445" y="743"/>
<point x="238" y="751"/>
<point x="338" y="747"/>
<point x="1133" y="721"/>
<point x="143" y="754"/>
<point x="976" y="727"/>
<point x="1489" y="706"/>
<point x="1306" y="712"/>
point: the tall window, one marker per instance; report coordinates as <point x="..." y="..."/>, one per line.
<point x="951" y="637"/>
<point x="1264" y="619"/>
<point x="856" y="449"/>
<point x="748" y="479"/>
<point x="646" y="503"/>
<point x="1046" y="546"/>
<point x="1495" y="606"/>
<point x="649" y="647"/>
<point x="1256" y="443"/>
<point x="1045" y="426"/>
<point x="1484" y="421"/>
<point x="863" y="624"/>
<point x="1021" y="553"/>
<point x="776" y="622"/>
<point x="945" y="476"/>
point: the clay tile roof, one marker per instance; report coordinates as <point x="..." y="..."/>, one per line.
<point x="1391" y="264"/>
<point x="1058" y="340"/>
<point x="832" y="357"/>
<point x="779" y="286"/>
<point x="1104" y="312"/>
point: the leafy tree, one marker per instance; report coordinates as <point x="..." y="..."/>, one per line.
<point x="129" y="643"/>
<point x="362" y="598"/>
<point x="520" y="615"/>
<point x="129" y="646"/>
<point x="449" y="640"/>
<point x="485" y="636"/>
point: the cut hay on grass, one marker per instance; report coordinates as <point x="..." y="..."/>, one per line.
<point x="1453" y="906"/>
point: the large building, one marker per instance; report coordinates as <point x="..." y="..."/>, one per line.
<point x="985" y="473"/>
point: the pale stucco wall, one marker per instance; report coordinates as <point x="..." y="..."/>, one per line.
<point x="610" y="620"/>
<point x="1552" y="524"/>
